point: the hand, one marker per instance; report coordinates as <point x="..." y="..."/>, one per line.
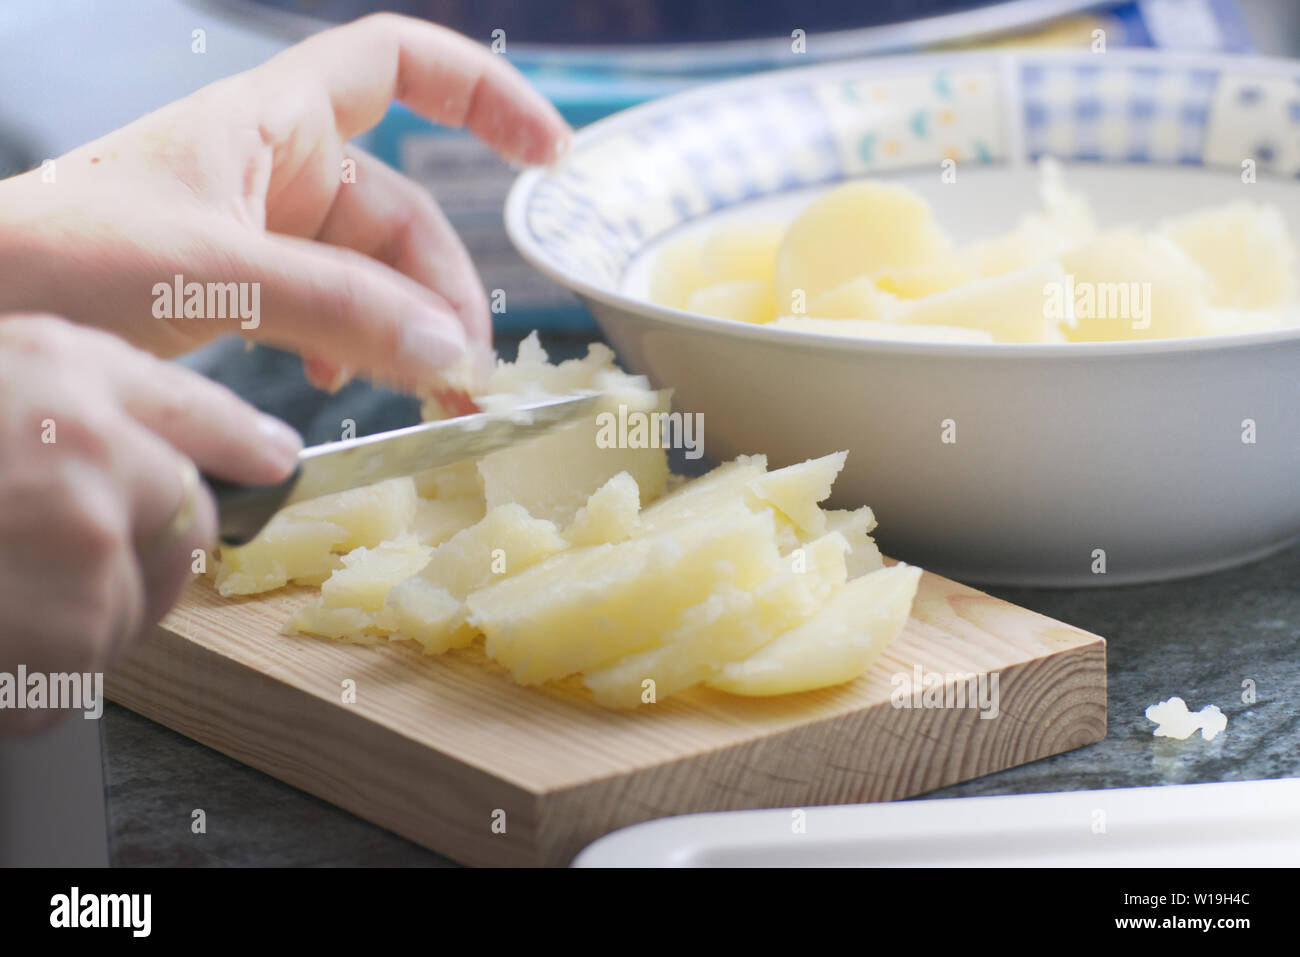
<point x="94" y="437"/>
<point x="242" y="182"/>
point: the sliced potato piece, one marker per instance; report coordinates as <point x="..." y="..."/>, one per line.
<point x="372" y="514"/>
<point x="1013" y="308"/>
<point x="437" y="520"/>
<point x="611" y="515"/>
<point x="290" y="548"/>
<point x="859" y="298"/>
<point x="426" y="613"/>
<point x="837" y="644"/>
<point x="795" y="491"/>
<point x="860" y="228"/>
<point x="1244" y="248"/>
<point x="742" y="300"/>
<point x="554" y="474"/>
<point x="585" y="607"/>
<point x="734" y="251"/>
<point x="678" y="271"/>
<point x="912" y="282"/>
<point x="368" y="574"/>
<point x="697" y="499"/>
<point x="1132" y="285"/>
<point x="856" y="526"/>
<point x="729" y="625"/>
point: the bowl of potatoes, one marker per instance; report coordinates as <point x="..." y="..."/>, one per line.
<point x="1048" y="301"/>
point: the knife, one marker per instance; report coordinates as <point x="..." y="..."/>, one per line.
<point x="244" y="510"/>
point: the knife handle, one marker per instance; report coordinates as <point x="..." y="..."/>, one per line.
<point x="244" y="510"/>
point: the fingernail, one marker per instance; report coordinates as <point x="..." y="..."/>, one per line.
<point x="427" y="347"/>
<point x="562" y="147"/>
<point x="281" y="442"/>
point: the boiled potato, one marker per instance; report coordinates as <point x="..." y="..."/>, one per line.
<point x="611" y="515"/>
<point x="741" y="251"/>
<point x="368" y="574"/>
<point x="856" y="526"/>
<point x="553" y="475"/>
<point x="1127" y="280"/>
<point x="1245" y="250"/>
<point x="420" y="611"/>
<point x="744" y="300"/>
<point x="912" y="282"/>
<point x="678" y="272"/>
<point x="372" y="514"/>
<point x="585" y="607"/>
<point x="860" y="228"/>
<point x="437" y="520"/>
<point x="1011" y="308"/>
<point x="639" y="602"/>
<point x="859" y="298"/>
<point x="837" y="644"/>
<point x="290" y="548"/>
<point x="729" y="625"/>
<point x="795" y="491"/>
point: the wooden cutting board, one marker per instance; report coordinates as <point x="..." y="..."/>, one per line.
<point x="450" y="753"/>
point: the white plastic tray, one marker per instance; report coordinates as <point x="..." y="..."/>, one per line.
<point x="1198" y="825"/>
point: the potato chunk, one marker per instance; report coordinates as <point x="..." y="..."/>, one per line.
<point x="588" y="606"/>
<point x="835" y="645"/>
<point x="859" y="228"/>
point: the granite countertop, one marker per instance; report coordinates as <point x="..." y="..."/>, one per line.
<point x="1201" y="638"/>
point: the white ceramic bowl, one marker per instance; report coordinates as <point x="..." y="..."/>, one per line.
<point x="1065" y="452"/>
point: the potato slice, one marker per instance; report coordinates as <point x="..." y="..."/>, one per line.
<point x="1012" y="307"/>
<point x="744" y="300"/>
<point x="912" y="282"/>
<point x="368" y="574"/>
<point x="505" y="542"/>
<point x="372" y="514"/>
<point x="859" y="228"/>
<point x="735" y="251"/>
<point x="700" y="498"/>
<point x="553" y="475"/>
<point x="1126" y="280"/>
<point x="437" y="520"/>
<point x="856" y="526"/>
<point x="837" y="644"/>
<point x="290" y="548"/>
<point x="728" y="625"/>
<point x="586" y="607"/>
<point x="426" y="613"/>
<point x="859" y="298"/>
<point x="451" y="481"/>
<point x="354" y="625"/>
<point x="1244" y="248"/>
<point x="611" y="515"/>
<point x="678" y="271"/>
<point x="796" y="490"/>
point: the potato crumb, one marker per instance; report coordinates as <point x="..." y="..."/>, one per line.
<point x="1173" y="720"/>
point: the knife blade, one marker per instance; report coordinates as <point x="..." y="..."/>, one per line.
<point x="244" y="510"/>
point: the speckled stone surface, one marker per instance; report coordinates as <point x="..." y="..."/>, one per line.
<point x="1199" y="638"/>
